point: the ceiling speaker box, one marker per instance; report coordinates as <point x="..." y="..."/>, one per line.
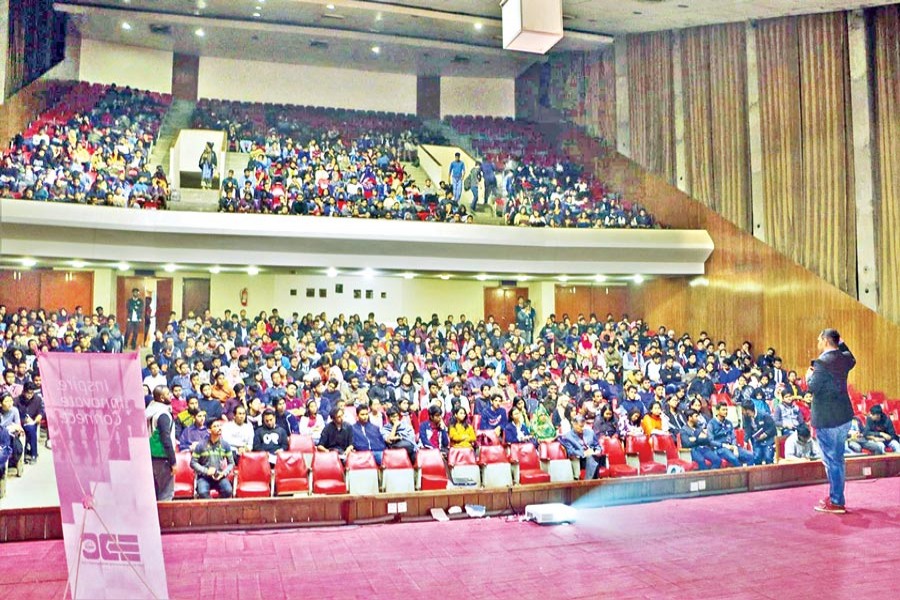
<point x="531" y="25"/>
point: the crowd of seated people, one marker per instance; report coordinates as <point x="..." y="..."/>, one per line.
<point x="325" y="162"/>
<point x="537" y="186"/>
<point x="598" y="378"/>
<point x="93" y="148"/>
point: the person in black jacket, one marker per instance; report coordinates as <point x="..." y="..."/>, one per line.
<point x="831" y="412"/>
<point x="270" y="438"/>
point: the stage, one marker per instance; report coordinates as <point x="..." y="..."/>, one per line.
<point x="767" y="544"/>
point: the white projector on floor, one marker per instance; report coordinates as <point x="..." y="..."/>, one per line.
<point x="550" y="514"/>
<point x="531" y="25"/>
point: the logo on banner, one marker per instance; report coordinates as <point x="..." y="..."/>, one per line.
<point x="112" y="548"/>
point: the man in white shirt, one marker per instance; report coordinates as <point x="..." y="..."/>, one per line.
<point x="238" y="433"/>
<point x="155" y="378"/>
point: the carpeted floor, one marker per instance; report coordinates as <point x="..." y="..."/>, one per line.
<point x="758" y="545"/>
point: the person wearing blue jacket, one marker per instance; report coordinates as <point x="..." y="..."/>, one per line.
<point x="721" y="438"/>
<point x="494" y="417"/>
<point x="366" y="435"/>
<point x="695" y="438"/>
<point x="581" y="443"/>
<point x="761" y="432"/>
<point x="516" y="430"/>
<point x="433" y="432"/>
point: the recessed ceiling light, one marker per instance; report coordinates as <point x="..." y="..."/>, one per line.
<point x="329" y="6"/>
<point x="252" y="270"/>
<point x="409" y="275"/>
<point x="201" y="4"/>
<point x="445" y="276"/>
<point x="367" y="273"/>
<point x="376" y="49"/>
<point x="170" y="268"/>
<point x="331" y="272"/>
<point x="126" y="25"/>
<point x="199" y="32"/>
<point x="28" y="262"/>
<point x="478" y="26"/>
<point x="78" y="264"/>
<point x="482" y="277"/>
<point x="523" y="278"/>
<point x="638" y="278"/>
<point x="123" y="266"/>
<point x="256" y="14"/>
<point x="215" y="270"/>
<point x="379" y="17"/>
<point x="258" y="7"/>
<point x="599" y="278"/>
<point x="563" y="278"/>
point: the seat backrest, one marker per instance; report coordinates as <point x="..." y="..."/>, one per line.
<point x="461" y="456"/>
<point x="430" y="461"/>
<point x="639" y="445"/>
<point x="254" y="466"/>
<point x="183" y="471"/>
<point x="303" y="443"/>
<point x="553" y="451"/>
<point x="488" y="437"/>
<point x="664" y="443"/>
<point x="526" y="455"/>
<point x="612" y="448"/>
<point x="290" y="465"/>
<point x="395" y="458"/>
<point x="493" y="454"/>
<point x="739" y="437"/>
<point x="357" y="461"/>
<point x="327" y="465"/>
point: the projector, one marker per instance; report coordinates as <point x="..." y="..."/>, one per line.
<point x="550" y="514"/>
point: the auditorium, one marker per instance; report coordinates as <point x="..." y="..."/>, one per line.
<point x="403" y="299"/>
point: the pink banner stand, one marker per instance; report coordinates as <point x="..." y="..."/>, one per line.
<point x="101" y="453"/>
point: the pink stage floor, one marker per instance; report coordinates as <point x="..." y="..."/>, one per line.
<point x="757" y="545"/>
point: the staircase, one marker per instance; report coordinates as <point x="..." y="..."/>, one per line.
<point x="236" y="161"/>
<point x="454" y="138"/>
<point x="178" y="118"/>
<point x="190" y="199"/>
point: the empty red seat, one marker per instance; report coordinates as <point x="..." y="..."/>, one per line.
<point x="362" y="473"/>
<point x="496" y="470"/>
<point x="254" y="476"/>
<point x="463" y="466"/>
<point x="432" y="470"/>
<point x="639" y="447"/>
<point x="529" y="465"/>
<point x="397" y="474"/>
<point x="556" y="462"/>
<point x="291" y="473"/>
<point x="616" y="465"/>
<point x="328" y="473"/>
<point x="185" y="477"/>
<point x="664" y="448"/>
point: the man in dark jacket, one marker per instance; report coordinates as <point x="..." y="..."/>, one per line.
<point x="831" y="412"/>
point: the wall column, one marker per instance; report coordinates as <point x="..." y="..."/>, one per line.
<point x="623" y="120"/>
<point x="185" y="76"/>
<point x="861" y="115"/>
<point x="754" y="133"/>
<point x="428" y="98"/>
<point x="681" y="178"/>
<point x="4" y="47"/>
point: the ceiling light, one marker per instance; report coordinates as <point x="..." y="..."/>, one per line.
<point x="523" y="278"/>
<point x="639" y="279"/>
<point x="199" y="32"/>
<point x="258" y="7"/>
<point x="409" y="275"/>
<point x="331" y="272"/>
<point x="215" y="270"/>
<point x="376" y="49"/>
<point x="78" y="264"/>
<point x="367" y="273"/>
<point x="201" y="4"/>
<point x="329" y="6"/>
<point x="482" y="277"/>
<point x="699" y="281"/>
<point x="445" y="276"/>
<point x="599" y="278"/>
<point x="563" y="278"/>
<point x="170" y="268"/>
<point x="126" y="26"/>
<point x="478" y="26"/>
<point x="28" y="262"/>
<point x="123" y="266"/>
<point x="252" y="271"/>
<point x="256" y="14"/>
<point x="379" y="17"/>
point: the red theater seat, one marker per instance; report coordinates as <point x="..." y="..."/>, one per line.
<point x="463" y="466"/>
<point x="397" y="473"/>
<point x="529" y="465"/>
<point x="615" y="459"/>
<point x="328" y="473"/>
<point x="184" y="476"/>
<point x="666" y="452"/>
<point x="432" y="470"/>
<point x="496" y="471"/>
<point x="304" y="444"/>
<point x="291" y="473"/>
<point x="254" y="476"/>
<point x="556" y="462"/>
<point x="638" y="447"/>
<point x="362" y="473"/>
<point x="488" y="437"/>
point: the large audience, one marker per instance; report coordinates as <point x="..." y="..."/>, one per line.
<point x="93" y="148"/>
<point x="574" y="378"/>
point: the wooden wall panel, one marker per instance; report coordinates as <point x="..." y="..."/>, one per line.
<point x="651" y="104"/>
<point x="500" y="302"/>
<point x="807" y="152"/>
<point x="885" y="29"/>
<point x="64" y="289"/>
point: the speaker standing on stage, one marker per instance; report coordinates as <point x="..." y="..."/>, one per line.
<point x="831" y="412"/>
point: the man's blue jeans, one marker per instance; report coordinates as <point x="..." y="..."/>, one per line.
<point x="204" y="484"/>
<point x="702" y="454"/>
<point x="764" y="454"/>
<point x="457" y="185"/>
<point x="31" y="439"/>
<point x="831" y="441"/>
